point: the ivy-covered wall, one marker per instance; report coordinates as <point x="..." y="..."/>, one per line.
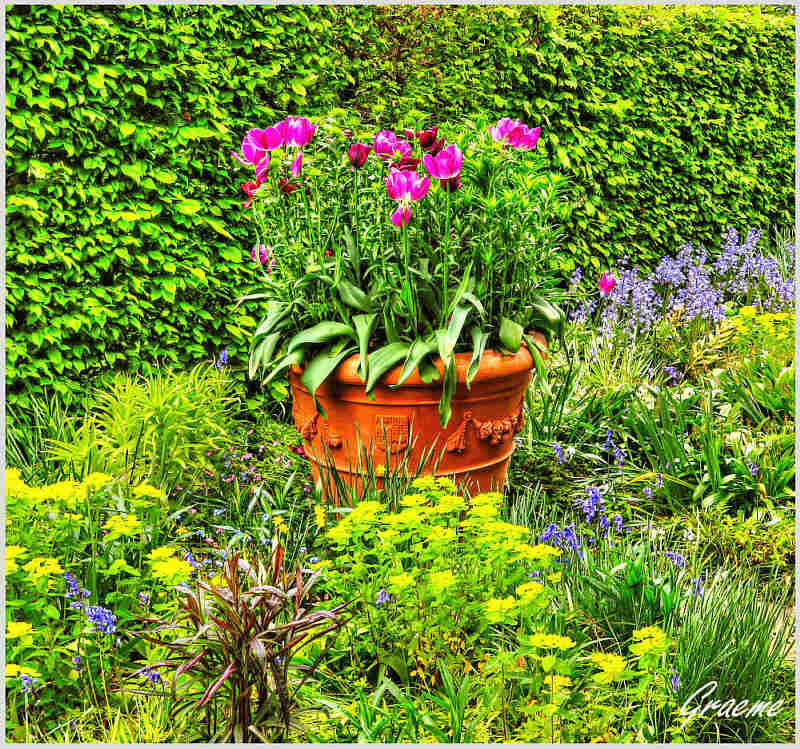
<point x="126" y="241"/>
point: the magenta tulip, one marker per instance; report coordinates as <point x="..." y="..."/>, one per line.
<point x="296" y="131"/>
<point x="446" y="164"/>
<point x="388" y="146"/>
<point x="524" y="137"/>
<point x="503" y="127"/>
<point x="515" y="134"/>
<point x="405" y="187"/>
<point x="358" y="153"/>
<point x="606" y="284"/>
<point x="256" y="146"/>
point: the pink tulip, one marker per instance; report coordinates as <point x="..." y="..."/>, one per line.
<point x="524" y="137"/>
<point x="256" y="146"/>
<point x="296" y="164"/>
<point x="606" y="284"/>
<point x="296" y="131"/>
<point x="503" y="127"/>
<point x="405" y="187"/>
<point x="445" y="165"/>
<point x="387" y="145"/>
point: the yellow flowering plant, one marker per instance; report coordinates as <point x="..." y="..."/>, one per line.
<point x="441" y="567"/>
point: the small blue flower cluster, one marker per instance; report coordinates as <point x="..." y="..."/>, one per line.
<point x="103" y="619"/>
<point x="678" y="559"/>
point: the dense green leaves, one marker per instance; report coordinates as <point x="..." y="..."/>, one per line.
<point x="125" y="235"/>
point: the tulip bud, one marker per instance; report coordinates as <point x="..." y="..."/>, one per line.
<point x="452" y="184"/>
<point x="427" y="138"/>
<point x="358" y="153"/>
<point x="348" y="133"/>
<point x="409" y="134"/>
<point x="286" y="187"/>
<point x="406" y="164"/>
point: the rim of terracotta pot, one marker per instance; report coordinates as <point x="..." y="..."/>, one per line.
<point x="494" y="365"/>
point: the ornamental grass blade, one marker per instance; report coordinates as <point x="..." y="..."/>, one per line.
<point x="365" y="324"/>
<point x="321" y="333"/>
<point x="212" y="690"/>
<point x="320" y="367"/>
<point x="382" y="360"/>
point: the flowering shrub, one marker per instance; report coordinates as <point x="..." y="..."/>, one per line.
<point x="422" y="239"/>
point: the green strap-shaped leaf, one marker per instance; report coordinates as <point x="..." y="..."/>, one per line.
<point x="320" y="367"/>
<point x="296" y="357"/>
<point x="449" y="339"/>
<point x="449" y="382"/>
<point x="276" y="312"/>
<point x="461" y="290"/>
<point x="353" y="296"/>
<point x="510" y="334"/>
<point x="321" y="333"/>
<point x="383" y="359"/>
<point x="418" y="351"/>
<point x="546" y="316"/>
<point x="262" y="353"/>
<point x="479" y="340"/>
<point x="364" y="327"/>
<point x="427" y="371"/>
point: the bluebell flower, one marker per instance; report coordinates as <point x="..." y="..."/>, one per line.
<point x="618" y="523"/>
<point x="592" y="504"/>
<point x="659" y="481"/>
<point x="674" y="373"/>
<point x="27" y="682"/>
<point x="383" y="597"/>
<point x="697" y="586"/>
<point x="753" y="467"/>
<point x="103" y="619"/>
<point x="76" y="663"/>
<point x="676" y="680"/>
<point x="223" y="359"/>
<point x="219" y="511"/>
<point x="558" y="451"/>
<point x="648" y="492"/>
<point x="314" y="560"/>
<point x="678" y="559"/>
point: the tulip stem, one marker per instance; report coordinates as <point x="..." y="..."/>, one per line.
<point x="446" y="257"/>
<point x="355" y="214"/>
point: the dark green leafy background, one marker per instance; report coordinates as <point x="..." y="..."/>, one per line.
<point x="126" y="241"/>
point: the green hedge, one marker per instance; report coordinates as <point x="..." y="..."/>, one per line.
<point x="125" y="236"/>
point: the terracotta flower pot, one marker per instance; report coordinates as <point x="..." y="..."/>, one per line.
<point x="475" y="446"/>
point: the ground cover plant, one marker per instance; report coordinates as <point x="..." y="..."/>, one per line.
<point x="173" y="573"/>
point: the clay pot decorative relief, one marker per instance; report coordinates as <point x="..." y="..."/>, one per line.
<point x="475" y="446"/>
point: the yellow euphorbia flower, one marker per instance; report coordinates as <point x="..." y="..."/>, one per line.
<point x="18" y="629"/>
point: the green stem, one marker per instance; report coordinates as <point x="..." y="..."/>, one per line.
<point x="446" y="259"/>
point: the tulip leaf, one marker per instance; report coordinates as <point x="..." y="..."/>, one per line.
<point x="319" y="369"/>
<point x="427" y="371"/>
<point x="449" y="382"/>
<point x="275" y="313"/>
<point x="321" y="333"/>
<point x="296" y="357"/>
<point x="479" y="340"/>
<point x="383" y="359"/>
<point x="510" y="334"/>
<point x="546" y="316"/>
<point x="418" y="351"/>
<point x="262" y="353"/>
<point x="353" y="296"/>
<point x="364" y="327"/>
